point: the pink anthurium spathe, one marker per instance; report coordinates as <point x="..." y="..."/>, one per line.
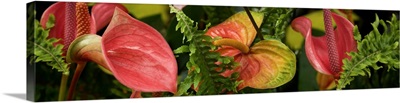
<point x="136" y="54"/>
<point x="326" y="53"/>
<point x="72" y="20"/>
<point x="103" y="12"/>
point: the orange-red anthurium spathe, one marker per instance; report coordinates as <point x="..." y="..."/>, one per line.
<point x="266" y="64"/>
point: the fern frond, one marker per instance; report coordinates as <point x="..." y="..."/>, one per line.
<point x="218" y="14"/>
<point x="43" y="49"/>
<point x="374" y="48"/>
<point x="203" y="74"/>
<point x="275" y="23"/>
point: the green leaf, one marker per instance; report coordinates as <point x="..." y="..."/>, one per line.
<point x="192" y="49"/>
<point x="184" y="86"/>
<point x="197" y="79"/>
<point x="182" y="49"/>
<point x="374" y="48"/>
<point x="44" y="48"/>
<point x="276" y="21"/>
<point x="51" y="21"/>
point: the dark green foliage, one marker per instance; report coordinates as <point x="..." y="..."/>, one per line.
<point x="275" y="22"/>
<point x="120" y="90"/>
<point x="375" y="48"/>
<point x="174" y="37"/>
<point x="155" y="21"/>
<point x="46" y="86"/>
<point x="201" y="65"/>
<point x="381" y="78"/>
<point x="92" y="84"/>
<point x="218" y="14"/>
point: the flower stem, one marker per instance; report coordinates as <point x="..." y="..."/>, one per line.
<point x="253" y="22"/>
<point x="63" y="86"/>
<point x="331" y="42"/>
<point x="79" y="68"/>
<point x="136" y="94"/>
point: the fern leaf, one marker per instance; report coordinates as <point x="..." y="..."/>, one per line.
<point x="201" y="64"/>
<point x="276" y="22"/>
<point x="42" y="49"/>
<point x="374" y="48"/>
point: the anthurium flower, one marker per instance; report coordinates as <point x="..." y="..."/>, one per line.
<point x="266" y="64"/>
<point x="136" y="54"/>
<point x="326" y="53"/>
<point x="73" y="19"/>
<point x="295" y="40"/>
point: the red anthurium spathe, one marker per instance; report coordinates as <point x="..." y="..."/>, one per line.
<point x="103" y="12"/>
<point x="57" y="9"/>
<point x="266" y="64"/>
<point x="73" y="19"/>
<point x="326" y="53"/>
<point x="138" y="55"/>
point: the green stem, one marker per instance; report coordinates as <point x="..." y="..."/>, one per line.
<point x="63" y="86"/>
<point x="79" y="68"/>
